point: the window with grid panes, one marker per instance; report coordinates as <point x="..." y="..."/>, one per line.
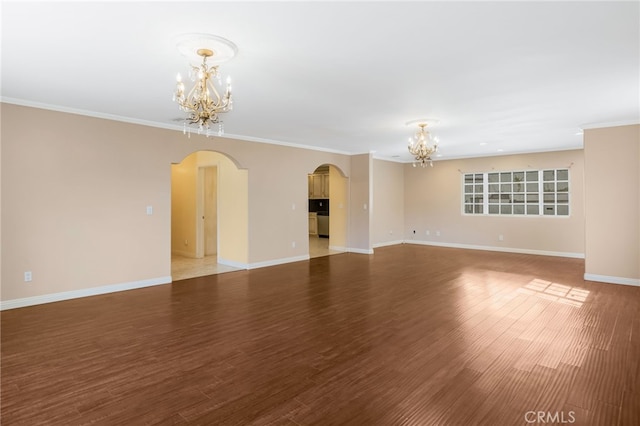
<point x="520" y="193"/>
<point x="474" y="193"/>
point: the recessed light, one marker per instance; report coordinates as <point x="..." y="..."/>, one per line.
<point x="483" y="143"/>
<point x="500" y="150"/>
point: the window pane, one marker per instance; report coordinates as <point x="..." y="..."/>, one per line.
<point x="518" y="209"/>
<point x="518" y="198"/>
<point x="549" y="198"/>
<point x="494" y="187"/>
<point x="563" y="210"/>
<point x="562" y="187"/>
<point x="505" y="187"/>
<point x="479" y="177"/>
<point x="532" y="209"/>
<point x="494" y="209"/>
<point x="479" y="189"/>
<point x="532" y="198"/>
<point x="549" y="187"/>
<point x="468" y="198"/>
<point x="468" y="208"/>
<point x="518" y="187"/>
<point x="505" y="177"/>
<point x="505" y="209"/>
<point x="478" y="199"/>
<point x="478" y="208"/>
<point x="562" y="198"/>
<point x="505" y="198"/>
<point x="468" y="189"/>
<point x="494" y="198"/>
<point x="468" y="178"/>
<point x="548" y="175"/>
<point x="532" y="176"/>
<point x="532" y="187"/>
<point x="549" y="209"/>
<point x="494" y="177"/>
<point x="562" y="174"/>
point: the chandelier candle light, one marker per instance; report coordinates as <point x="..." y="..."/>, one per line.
<point x="204" y="102"/>
<point x="422" y="145"/>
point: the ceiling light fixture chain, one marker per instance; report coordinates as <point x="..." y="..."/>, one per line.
<point x="422" y="145"/>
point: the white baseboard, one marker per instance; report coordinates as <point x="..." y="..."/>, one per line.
<point x="277" y="261"/>
<point x="388" y="243"/>
<point x="232" y="263"/>
<point x="360" y="251"/>
<point x="338" y="248"/>
<point x="612" y="280"/>
<point x="86" y="292"/>
<point x="500" y="249"/>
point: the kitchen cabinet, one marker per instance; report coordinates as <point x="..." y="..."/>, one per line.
<point x="313" y="224"/>
<point x="319" y="185"/>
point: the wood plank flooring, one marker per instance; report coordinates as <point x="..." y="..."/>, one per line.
<point x="412" y="335"/>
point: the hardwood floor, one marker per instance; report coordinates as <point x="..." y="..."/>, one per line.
<point x="412" y="335"/>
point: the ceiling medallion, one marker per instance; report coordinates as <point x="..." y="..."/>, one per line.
<point x="207" y="98"/>
<point x="422" y="145"/>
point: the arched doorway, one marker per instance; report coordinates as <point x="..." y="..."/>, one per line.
<point x="328" y="211"/>
<point x="209" y="215"/>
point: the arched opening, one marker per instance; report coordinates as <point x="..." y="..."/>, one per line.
<point x="328" y="211"/>
<point x="209" y="215"/>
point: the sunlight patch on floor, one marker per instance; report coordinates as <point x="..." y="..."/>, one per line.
<point x="555" y="292"/>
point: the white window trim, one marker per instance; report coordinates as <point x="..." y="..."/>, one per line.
<point x="540" y="181"/>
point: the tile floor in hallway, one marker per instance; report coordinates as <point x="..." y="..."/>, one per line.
<point x="320" y="247"/>
<point x="186" y="267"/>
<point x="183" y="268"/>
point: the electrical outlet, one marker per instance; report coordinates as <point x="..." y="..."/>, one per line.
<point x="437" y="233"/>
<point x="28" y="276"/>
<point x="149" y="210"/>
<point x="427" y="232"/>
<point x="293" y="244"/>
<point x="500" y="237"/>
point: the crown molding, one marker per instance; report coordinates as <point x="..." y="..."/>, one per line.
<point x="610" y="124"/>
<point x="175" y="127"/>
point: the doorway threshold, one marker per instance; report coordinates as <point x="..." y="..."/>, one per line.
<point x="183" y="268"/>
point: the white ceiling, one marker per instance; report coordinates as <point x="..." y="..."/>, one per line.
<point x="502" y="77"/>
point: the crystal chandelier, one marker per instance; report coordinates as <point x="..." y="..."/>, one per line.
<point x="422" y="146"/>
<point x="207" y="99"/>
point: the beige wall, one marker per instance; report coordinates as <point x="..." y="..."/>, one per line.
<point x="338" y="209"/>
<point x="360" y="203"/>
<point x="388" y="202"/>
<point x="433" y="203"/>
<point x="612" y="199"/>
<point x="75" y="191"/>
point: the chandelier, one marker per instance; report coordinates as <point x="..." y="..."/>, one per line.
<point x="422" y="145"/>
<point x="207" y="99"/>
